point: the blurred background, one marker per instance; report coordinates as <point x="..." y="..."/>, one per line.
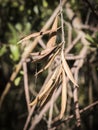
<point x="19" y="18"/>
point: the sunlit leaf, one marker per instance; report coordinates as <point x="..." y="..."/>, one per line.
<point x="37" y="56"/>
<point x="47" y="86"/>
<point x="41" y="33"/>
<point x="67" y="70"/>
<point x="64" y="94"/>
<point x="52" y="38"/>
<point x="2" y="50"/>
<point x="49" y="63"/>
<point x="14" y="52"/>
<point x="17" y="81"/>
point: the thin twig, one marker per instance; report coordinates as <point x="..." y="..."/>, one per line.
<point x="62" y="25"/>
<point x="26" y="53"/>
<point x="26" y="88"/>
<point x="72" y="57"/>
<point x="51" y="110"/>
<point x="62" y="28"/>
<point x="69" y="32"/>
<point x="73" y="43"/>
<point x="8" y="86"/>
<point x="29" y="118"/>
<point x="87" y="17"/>
<point x="42" y="43"/>
<point x="44" y="110"/>
<point x="76" y="102"/>
<point x="59" y="122"/>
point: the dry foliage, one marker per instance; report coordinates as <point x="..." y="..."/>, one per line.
<point x="60" y="76"/>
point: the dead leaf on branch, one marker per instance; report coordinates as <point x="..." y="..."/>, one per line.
<point x="49" y="62"/>
<point x="48" y="88"/>
<point x="52" y="38"/>
<point x="37" y="56"/>
<point x="47" y="96"/>
<point x="41" y="33"/>
<point x="67" y="70"/>
<point x="58" y="78"/>
<point x="64" y="94"/>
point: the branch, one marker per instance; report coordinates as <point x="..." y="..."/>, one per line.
<point x="59" y="122"/>
<point x="26" y="54"/>
<point x="37" y="118"/>
<point x="26" y="85"/>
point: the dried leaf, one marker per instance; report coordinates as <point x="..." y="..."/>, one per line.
<point x="47" y="96"/>
<point x="29" y="36"/>
<point x="52" y="39"/>
<point x="37" y="34"/>
<point x="64" y="94"/>
<point x="67" y="70"/>
<point x="37" y="56"/>
<point x="49" y="63"/>
<point x="47" y="87"/>
<point x="34" y="102"/>
<point x="52" y="88"/>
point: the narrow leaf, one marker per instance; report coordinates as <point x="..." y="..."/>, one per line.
<point x="34" y="102"/>
<point x="49" y="63"/>
<point x="47" y="86"/>
<point x="41" y="33"/>
<point x="47" y="96"/>
<point x="67" y="70"/>
<point x="52" y="88"/>
<point x="64" y="94"/>
<point x="37" y="56"/>
<point x="52" y="39"/>
<point x="29" y="36"/>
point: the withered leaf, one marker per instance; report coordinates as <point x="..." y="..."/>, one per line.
<point x="47" y="87"/>
<point x="64" y="94"/>
<point x="49" y="63"/>
<point x="52" y="38"/>
<point x="67" y="70"/>
<point x="41" y="33"/>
